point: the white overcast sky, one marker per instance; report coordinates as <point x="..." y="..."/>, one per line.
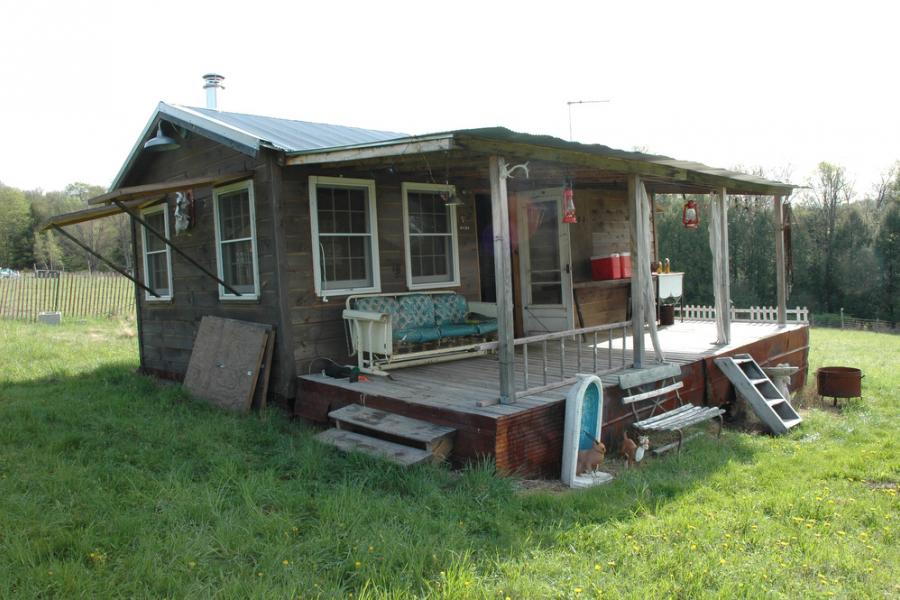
<point x="782" y="85"/>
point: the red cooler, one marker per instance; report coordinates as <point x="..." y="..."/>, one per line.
<point x="606" y="267"/>
<point x="625" y="264"/>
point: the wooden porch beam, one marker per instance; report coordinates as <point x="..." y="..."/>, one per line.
<point x="726" y="261"/>
<point x="638" y="258"/>
<point x="503" y="279"/>
<point x="780" y="277"/>
<point x="571" y="157"/>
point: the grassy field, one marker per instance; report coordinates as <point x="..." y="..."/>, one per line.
<point x="114" y="486"/>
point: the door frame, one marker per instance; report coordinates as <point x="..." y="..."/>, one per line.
<point x="544" y="318"/>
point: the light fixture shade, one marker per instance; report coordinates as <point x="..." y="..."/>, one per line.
<point x="161" y="142"/>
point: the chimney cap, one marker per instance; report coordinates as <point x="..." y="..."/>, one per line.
<point x="213" y="80"/>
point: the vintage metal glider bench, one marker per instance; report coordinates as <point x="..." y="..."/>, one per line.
<point x="389" y="331"/>
<point x="650" y="386"/>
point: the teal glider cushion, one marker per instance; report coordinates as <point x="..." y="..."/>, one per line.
<point x="416" y="310"/>
<point x="449" y="308"/>
<point x="458" y="329"/>
<point x="417" y="335"/>
<point x="378" y="304"/>
<point x="487" y="327"/>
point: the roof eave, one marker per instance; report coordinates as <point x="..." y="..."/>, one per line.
<point x="196" y="123"/>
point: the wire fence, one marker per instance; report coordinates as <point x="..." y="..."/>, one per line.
<point x="23" y="296"/>
<point x="843" y="321"/>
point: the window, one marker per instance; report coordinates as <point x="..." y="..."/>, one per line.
<point x="236" y="257"/>
<point x="157" y="259"/>
<point x="429" y="226"/>
<point x="345" y="235"/>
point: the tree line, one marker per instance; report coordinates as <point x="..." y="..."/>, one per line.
<point x="844" y="246"/>
<point x="23" y="246"/>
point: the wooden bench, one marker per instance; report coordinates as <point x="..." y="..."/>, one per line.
<point x="653" y="386"/>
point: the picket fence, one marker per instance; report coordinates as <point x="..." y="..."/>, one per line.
<point x="80" y="295"/>
<point x="753" y="314"/>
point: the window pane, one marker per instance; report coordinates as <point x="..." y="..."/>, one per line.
<point x="357" y="200"/>
<point x="157" y="221"/>
<point x="158" y="273"/>
<point x="347" y="262"/>
<point x="234" y="215"/>
<point x="237" y="265"/>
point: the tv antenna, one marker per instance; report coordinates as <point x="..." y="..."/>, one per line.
<point x="571" y="102"/>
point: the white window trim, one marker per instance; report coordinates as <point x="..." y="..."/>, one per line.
<point x="223" y="293"/>
<point x="405" y="188"/>
<point x="369" y="186"/>
<point x="164" y="208"/>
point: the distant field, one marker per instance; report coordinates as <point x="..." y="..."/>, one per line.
<point x="113" y="485"/>
<point x="79" y="295"/>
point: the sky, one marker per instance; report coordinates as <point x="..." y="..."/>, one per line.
<point x="778" y="85"/>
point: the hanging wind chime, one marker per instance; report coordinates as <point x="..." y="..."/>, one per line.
<point x="569" y="203"/>
<point x="690" y="215"/>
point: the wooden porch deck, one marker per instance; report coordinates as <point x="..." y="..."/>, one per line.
<point x="527" y="435"/>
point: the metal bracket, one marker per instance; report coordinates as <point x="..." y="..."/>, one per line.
<point x="507" y="172"/>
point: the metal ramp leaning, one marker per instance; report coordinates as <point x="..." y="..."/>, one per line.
<point x="757" y="389"/>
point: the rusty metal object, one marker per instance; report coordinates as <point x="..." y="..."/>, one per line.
<point x="839" y="382"/>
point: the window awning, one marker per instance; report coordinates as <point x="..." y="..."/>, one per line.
<point x="137" y="197"/>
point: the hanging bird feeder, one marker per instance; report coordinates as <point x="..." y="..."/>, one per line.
<point x="690" y="215"/>
<point x="569" y="204"/>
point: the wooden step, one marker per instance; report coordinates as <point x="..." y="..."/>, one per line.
<point x="759" y="381"/>
<point x="774" y="401"/>
<point x="349" y="441"/>
<point x="790" y="423"/>
<point x="393" y="424"/>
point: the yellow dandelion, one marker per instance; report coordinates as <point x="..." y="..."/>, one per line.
<point x="285" y="562"/>
<point x="721" y="561"/>
<point x="191" y="564"/>
<point x="372" y="549"/>
<point x="259" y="574"/>
<point x="578" y="590"/>
<point x="597" y="567"/>
<point x="842" y="533"/>
<point x="693" y="546"/>
<point x="611" y="563"/>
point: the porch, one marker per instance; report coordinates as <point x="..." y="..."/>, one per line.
<point x="526" y="435"/>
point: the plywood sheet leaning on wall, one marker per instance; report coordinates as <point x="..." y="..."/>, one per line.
<point x="225" y="362"/>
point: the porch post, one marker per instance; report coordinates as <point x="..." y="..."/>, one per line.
<point x="639" y="258"/>
<point x="780" y="278"/>
<point x="726" y="270"/>
<point x="718" y="245"/>
<point x="503" y="279"/>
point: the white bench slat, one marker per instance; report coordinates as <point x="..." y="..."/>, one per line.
<point x="636" y="377"/>
<point x="686" y="419"/>
<point x="664" y="415"/>
<point x="653" y="393"/>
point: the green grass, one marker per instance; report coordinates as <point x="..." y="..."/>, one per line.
<point x="112" y="485"/>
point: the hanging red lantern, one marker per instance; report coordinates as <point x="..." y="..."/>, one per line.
<point x="690" y="215"/>
<point x="569" y="204"/>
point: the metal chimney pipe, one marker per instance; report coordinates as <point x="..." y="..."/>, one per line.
<point x="213" y="82"/>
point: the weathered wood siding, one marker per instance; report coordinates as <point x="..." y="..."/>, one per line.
<point x="317" y="326"/>
<point x="168" y="328"/>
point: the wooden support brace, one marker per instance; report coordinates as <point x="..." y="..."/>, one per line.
<point x="118" y="269"/>
<point x="169" y="243"/>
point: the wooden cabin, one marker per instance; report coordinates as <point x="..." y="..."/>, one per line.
<point x="281" y="222"/>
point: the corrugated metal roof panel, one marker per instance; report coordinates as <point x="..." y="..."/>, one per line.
<point x="297" y="136"/>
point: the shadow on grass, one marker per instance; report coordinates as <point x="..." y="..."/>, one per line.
<point x="122" y="458"/>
